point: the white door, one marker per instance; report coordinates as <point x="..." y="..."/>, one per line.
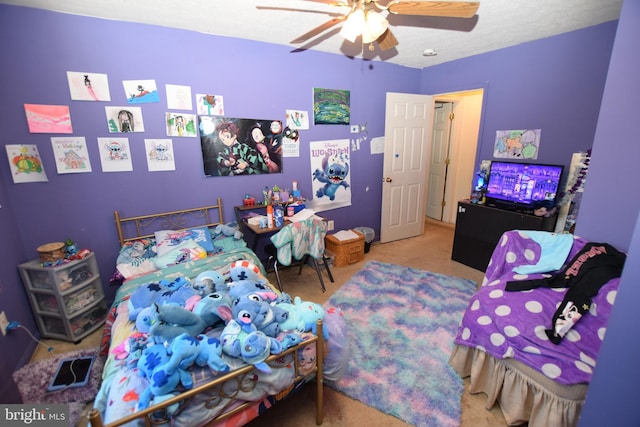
<point x="407" y="133"/>
<point x="443" y="115"/>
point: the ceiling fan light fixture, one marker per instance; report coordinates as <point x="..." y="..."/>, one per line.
<point x="374" y="25"/>
<point x="353" y="26"/>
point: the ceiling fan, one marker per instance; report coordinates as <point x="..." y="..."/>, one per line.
<point x="368" y="18"/>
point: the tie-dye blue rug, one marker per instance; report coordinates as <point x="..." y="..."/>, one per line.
<point x="402" y="322"/>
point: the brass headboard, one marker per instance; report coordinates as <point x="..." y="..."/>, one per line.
<point x="144" y="226"/>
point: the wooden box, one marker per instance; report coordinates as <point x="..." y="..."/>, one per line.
<point x="346" y="251"/>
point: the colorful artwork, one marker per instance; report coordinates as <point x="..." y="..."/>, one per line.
<point x="71" y="154"/>
<point x="233" y="146"/>
<point x="331" y="177"/>
<point x="297" y="119"/>
<point x="141" y="91"/>
<point x="124" y="119"/>
<point x="179" y="97"/>
<point x="331" y="107"/>
<point x="115" y="154"/>
<point x="159" y="155"/>
<point x="179" y="124"/>
<point x="48" y="118"/>
<point x="210" y="105"/>
<point x="517" y="144"/>
<point x="290" y="142"/>
<point x="88" y="86"/>
<point x="25" y="163"/>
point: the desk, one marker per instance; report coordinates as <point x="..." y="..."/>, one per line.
<point x="253" y="233"/>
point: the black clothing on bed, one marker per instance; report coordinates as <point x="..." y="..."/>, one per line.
<point x="586" y="273"/>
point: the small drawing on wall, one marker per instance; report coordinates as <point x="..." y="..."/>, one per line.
<point x="25" y="163"/>
<point x="71" y="154"/>
<point x="179" y="97"/>
<point x="48" y="118"/>
<point x="124" y="119"/>
<point x="141" y="91"/>
<point x="179" y="124"/>
<point x="88" y="86"/>
<point x="517" y="144"/>
<point x="115" y="155"/>
<point x="297" y="119"/>
<point x="209" y="105"/>
<point x="159" y="155"/>
<point x="331" y="107"/>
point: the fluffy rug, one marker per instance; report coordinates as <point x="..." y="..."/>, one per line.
<point x="33" y="379"/>
<point x="402" y="322"/>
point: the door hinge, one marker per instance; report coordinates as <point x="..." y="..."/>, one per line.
<point x="443" y="203"/>
<point x="451" y="116"/>
<point x="447" y="162"/>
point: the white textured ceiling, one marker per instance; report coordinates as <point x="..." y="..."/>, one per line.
<point x="498" y="23"/>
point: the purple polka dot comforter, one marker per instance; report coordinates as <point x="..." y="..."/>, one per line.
<point x="512" y="324"/>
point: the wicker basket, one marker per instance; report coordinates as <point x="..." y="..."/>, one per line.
<point x="52" y="252"/>
<point x="346" y="251"/>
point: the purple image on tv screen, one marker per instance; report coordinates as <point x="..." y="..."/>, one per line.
<point x="523" y="183"/>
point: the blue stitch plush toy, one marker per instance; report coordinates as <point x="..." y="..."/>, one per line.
<point x="302" y="317"/>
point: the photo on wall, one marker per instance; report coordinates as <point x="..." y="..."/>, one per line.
<point x="232" y="146"/>
<point x="124" y="119"/>
<point x="331" y="107"/>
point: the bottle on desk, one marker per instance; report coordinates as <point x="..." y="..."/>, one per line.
<point x="270" y="216"/>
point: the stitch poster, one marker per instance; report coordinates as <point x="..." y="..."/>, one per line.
<point x="71" y="154"/>
<point x="331" y="175"/>
<point x="25" y="163"/>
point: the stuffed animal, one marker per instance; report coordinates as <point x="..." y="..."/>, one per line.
<point x="209" y="281"/>
<point x="161" y="384"/>
<point x="173" y="320"/>
<point x="253" y="347"/>
<point x="228" y="230"/>
<point x="211" y="354"/>
<point x="252" y="309"/>
<point x="302" y="317"/>
<point x="163" y="292"/>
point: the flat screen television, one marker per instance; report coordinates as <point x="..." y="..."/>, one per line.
<point x="522" y="185"/>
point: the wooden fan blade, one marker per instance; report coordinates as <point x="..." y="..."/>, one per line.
<point x="453" y="9"/>
<point x="387" y="40"/>
<point x="332" y="2"/>
<point x="319" y="29"/>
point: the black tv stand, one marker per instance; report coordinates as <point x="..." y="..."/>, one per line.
<point x="479" y="227"/>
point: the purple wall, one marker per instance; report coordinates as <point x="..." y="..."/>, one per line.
<point x="554" y="84"/>
<point x="609" y="212"/>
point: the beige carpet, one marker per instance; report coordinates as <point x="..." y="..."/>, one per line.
<point x="432" y="252"/>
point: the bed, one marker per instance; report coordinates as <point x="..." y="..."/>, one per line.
<point x="506" y="341"/>
<point x="152" y="373"/>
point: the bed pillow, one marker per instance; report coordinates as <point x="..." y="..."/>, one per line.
<point x="188" y="250"/>
<point x="202" y="236"/>
<point x="135" y="258"/>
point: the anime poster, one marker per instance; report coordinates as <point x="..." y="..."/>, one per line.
<point x="179" y="124"/>
<point x="141" y="91"/>
<point x="124" y="119"/>
<point x="25" y="163"/>
<point x="159" y="155"/>
<point x="48" y="118"/>
<point x="88" y="86"/>
<point x="297" y="119"/>
<point x="233" y="146"/>
<point x="517" y="144"/>
<point x="209" y="105"/>
<point x="331" y="177"/>
<point x="115" y="154"/>
<point x="331" y="107"/>
<point x="71" y="154"/>
<point x="179" y="97"/>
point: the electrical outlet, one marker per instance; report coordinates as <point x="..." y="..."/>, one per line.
<point x="4" y="322"/>
<point x="330" y="225"/>
<point x="355" y="129"/>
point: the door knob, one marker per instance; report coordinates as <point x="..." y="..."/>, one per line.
<point x="387" y="179"/>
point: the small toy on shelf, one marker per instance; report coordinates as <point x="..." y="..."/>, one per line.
<point x="248" y="200"/>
